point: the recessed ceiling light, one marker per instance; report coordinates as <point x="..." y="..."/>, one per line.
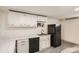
<point x="76" y="9"/>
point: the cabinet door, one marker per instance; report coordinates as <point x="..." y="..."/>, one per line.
<point x="44" y="42"/>
<point x="41" y="18"/>
<point x="12" y="19"/>
<point x="22" y="46"/>
<point x="16" y="19"/>
<point x="43" y="45"/>
<point x="31" y="20"/>
<point x="48" y="41"/>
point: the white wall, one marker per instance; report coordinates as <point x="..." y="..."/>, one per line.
<point x="53" y="21"/>
<point x="8" y="35"/>
<point x="70" y="30"/>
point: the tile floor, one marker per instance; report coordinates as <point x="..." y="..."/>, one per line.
<point x="58" y="49"/>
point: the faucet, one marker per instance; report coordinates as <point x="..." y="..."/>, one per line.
<point x="42" y="31"/>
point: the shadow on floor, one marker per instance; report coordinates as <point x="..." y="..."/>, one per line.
<point x="58" y="49"/>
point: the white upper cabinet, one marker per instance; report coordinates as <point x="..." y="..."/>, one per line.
<point x="41" y="18"/>
<point x="16" y="19"/>
<point x="31" y="20"/>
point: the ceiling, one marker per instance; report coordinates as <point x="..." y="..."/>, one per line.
<point x="51" y="11"/>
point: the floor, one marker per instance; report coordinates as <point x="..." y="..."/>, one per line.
<point x="58" y="49"/>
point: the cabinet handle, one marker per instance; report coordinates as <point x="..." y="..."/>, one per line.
<point x="21" y="41"/>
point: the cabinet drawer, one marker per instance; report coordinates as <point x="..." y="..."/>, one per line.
<point x="23" y="50"/>
<point x="22" y="40"/>
<point x="42" y="45"/>
<point x="23" y="44"/>
<point x="22" y="47"/>
<point x="43" y="38"/>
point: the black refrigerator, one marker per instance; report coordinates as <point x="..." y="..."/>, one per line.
<point x="55" y="32"/>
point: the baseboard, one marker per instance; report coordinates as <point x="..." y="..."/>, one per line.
<point x="70" y="42"/>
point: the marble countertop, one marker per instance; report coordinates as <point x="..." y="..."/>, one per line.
<point x="21" y="37"/>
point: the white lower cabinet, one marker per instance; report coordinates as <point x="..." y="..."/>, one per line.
<point x="44" y="42"/>
<point x="22" y="46"/>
